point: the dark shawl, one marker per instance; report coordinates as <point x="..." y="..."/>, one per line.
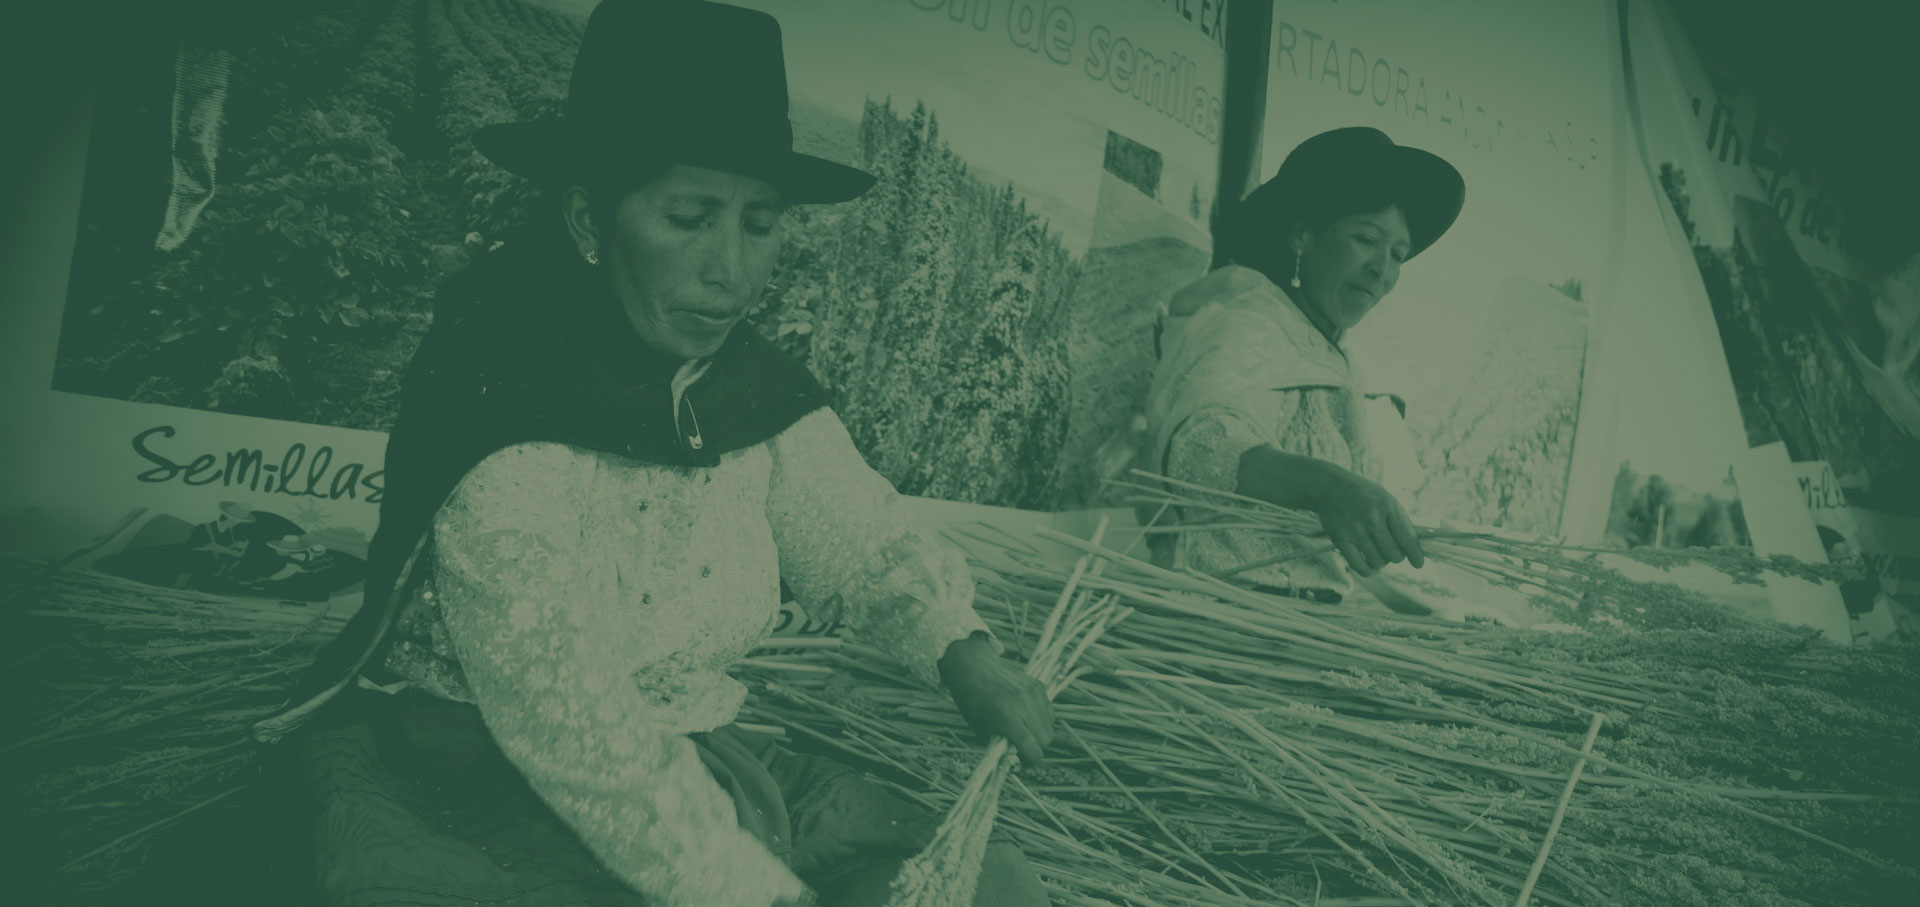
<point x="529" y="345"/>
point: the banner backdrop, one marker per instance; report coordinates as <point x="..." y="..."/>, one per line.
<point x="1046" y="171"/>
<point x="1485" y="337"/>
<point x="1824" y="355"/>
<point x="1556" y="382"/>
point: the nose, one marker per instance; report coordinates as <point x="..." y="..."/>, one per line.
<point x="1383" y="270"/>
<point x="725" y="266"/>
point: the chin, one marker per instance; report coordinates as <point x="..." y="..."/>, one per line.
<point x="700" y="347"/>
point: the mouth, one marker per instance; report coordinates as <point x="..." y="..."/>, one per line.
<point x="1367" y="290"/>
<point x="711" y="319"/>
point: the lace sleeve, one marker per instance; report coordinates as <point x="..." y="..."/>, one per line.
<point x="851" y="551"/>
<point x="519" y="594"/>
<point x="1206" y="449"/>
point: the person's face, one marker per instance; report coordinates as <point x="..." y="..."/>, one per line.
<point x="1348" y="267"/>
<point x="688" y="254"/>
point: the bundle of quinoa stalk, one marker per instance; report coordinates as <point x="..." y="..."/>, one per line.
<point x="1227" y="747"/>
<point x="130" y="705"/>
<point x="1217" y="747"/>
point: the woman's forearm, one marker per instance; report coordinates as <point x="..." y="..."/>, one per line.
<point x="1289" y="480"/>
<point x="1364" y="521"/>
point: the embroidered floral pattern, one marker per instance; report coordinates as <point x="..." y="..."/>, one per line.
<point x="851" y="551"/>
<point x="590" y="606"/>
<point x="1247" y="369"/>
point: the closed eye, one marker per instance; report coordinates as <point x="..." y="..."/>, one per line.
<point x="755" y="228"/>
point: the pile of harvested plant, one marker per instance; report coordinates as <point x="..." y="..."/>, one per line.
<point x="1216" y="746"/>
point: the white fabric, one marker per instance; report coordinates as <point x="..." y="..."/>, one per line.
<point x="1242" y="367"/>
<point x="594" y="605"/>
<point x="1242" y="338"/>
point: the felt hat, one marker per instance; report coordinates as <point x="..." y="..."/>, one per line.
<point x="660" y="82"/>
<point x="237" y="512"/>
<point x="1344" y="163"/>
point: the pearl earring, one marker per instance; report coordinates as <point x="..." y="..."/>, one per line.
<point x="1295" y="283"/>
<point x="593" y="256"/>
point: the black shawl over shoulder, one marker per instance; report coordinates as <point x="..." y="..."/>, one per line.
<point x="530" y="345"/>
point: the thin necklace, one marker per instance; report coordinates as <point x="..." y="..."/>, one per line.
<point x="1311" y="319"/>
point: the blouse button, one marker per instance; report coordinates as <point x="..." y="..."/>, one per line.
<point x="643" y="506"/>
<point x="646" y="598"/>
<point x="706" y="572"/>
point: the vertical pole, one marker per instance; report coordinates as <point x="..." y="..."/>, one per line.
<point x="1243" y="106"/>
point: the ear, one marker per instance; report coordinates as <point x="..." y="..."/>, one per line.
<point x="1297" y="239"/>
<point x="579" y="217"/>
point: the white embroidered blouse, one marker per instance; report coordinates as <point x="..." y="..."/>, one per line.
<point x="1242" y="367"/>
<point x="594" y="604"/>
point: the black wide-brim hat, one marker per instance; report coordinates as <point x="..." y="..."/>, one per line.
<point x="1352" y="162"/>
<point x="674" y="82"/>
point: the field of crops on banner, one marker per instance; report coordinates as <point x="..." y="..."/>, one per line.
<point x="349" y="189"/>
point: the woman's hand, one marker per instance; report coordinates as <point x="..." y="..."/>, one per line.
<point x="1367" y="524"/>
<point x="1362" y="519"/>
<point x="997" y="698"/>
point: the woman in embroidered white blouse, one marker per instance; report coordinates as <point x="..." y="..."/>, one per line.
<point x="1254" y="393"/>
<point x="618" y="531"/>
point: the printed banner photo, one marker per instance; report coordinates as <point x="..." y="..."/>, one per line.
<point x="261" y="237"/>
<point x="1821" y="350"/>
<point x="1485" y="335"/>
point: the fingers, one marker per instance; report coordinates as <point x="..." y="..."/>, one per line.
<point x="1036" y="720"/>
<point x="1024" y="741"/>
<point x="1044" y="732"/>
<point x="1355" y="560"/>
<point x="1365" y="542"/>
<point x="1385" y="541"/>
<point x="1408" y="539"/>
<point x="1014" y="706"/>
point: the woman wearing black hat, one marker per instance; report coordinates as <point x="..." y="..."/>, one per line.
<point x="597" y="484"/>
<point x="1255" y="394"/>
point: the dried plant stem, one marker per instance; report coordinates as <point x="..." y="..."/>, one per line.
<point x="1559" y="812"/>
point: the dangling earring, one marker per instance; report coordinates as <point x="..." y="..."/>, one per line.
<point x="1295" y="282"/>
<point x="593" y="256"/>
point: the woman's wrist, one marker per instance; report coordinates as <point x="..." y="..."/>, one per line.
<point x="1289" y="480"/>
<point x="973" y="648"/>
